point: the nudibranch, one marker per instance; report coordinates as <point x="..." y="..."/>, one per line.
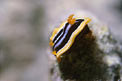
<point x="64" y="36"/>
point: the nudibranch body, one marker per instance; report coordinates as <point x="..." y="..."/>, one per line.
<point x="64" y="36"/>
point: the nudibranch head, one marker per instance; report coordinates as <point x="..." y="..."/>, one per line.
<point x="64" y="36"/>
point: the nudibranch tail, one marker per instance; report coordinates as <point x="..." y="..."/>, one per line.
<point x="64" y="36"/>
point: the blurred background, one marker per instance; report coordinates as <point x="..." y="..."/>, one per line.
<point x="25" y="28"/>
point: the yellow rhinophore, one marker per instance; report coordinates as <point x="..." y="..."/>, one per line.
<point x="71" y="20"/>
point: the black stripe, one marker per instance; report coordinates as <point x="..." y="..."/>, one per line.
<point x="64" y="29"/>
<point x="71" y="30"/>
<point x="57" y="35"/>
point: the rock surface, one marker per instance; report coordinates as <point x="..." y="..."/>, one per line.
<point x="90" y="60"/>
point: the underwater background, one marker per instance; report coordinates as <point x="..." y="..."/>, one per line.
<point x="26" y="25"/>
